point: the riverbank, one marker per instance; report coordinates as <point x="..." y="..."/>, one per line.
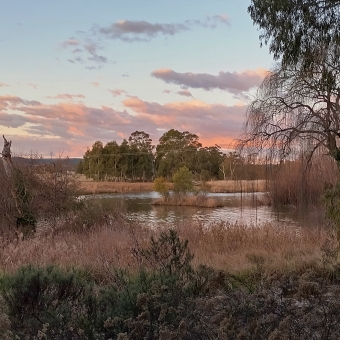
<point x="91" y="187"/>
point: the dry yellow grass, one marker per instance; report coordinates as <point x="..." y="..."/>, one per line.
<point x="237" y="247"/>
<point x="222" y="246"/>
<point x="114" y="187"/>
<point x="238" y="186"/>
<point x="90" y="187"/>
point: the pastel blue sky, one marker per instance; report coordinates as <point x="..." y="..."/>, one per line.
<point x="73" y="72"/>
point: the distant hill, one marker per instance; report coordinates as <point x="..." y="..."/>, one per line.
<point x="72" y="162"/>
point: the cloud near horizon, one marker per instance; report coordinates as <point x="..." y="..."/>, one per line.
<point x="75" y="126"/>
<point x="233" y="82"/>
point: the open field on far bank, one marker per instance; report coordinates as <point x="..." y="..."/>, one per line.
<point x="91" y="187"/>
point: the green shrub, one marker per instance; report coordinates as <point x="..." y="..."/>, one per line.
<point x="161" y="186"/>
<point x="47" y="301"/>
<point x="159" y="300"/>
<point x="182" y="179"/>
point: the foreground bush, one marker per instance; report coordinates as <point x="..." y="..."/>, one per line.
<point x="47" y="301"/>
<point x="164" y="297"/>
<point x="150" y="303"/>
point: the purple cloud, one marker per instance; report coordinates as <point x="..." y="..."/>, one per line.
<point x="233" y="82"/>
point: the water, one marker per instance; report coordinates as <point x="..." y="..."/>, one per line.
<point x="138" y="207"/>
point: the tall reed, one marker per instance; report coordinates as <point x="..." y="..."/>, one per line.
<point x="301" y="182"/>
<point x="221" y="245"/>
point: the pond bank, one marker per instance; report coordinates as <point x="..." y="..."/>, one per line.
<point x="229" y="186"/>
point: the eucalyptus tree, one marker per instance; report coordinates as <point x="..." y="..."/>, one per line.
<point x="124" y="164"/>
<point x="142" y="157"/>
<point x="93" y="162"/>
<point x="208" y="161"/>
<point x="176" y="149"/>
<point x="111" y="157"/>
<point x="294" y="29"/>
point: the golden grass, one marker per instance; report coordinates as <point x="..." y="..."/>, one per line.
<point x="235" y="248"/>
<point x="238" y="186"/>
<point x="114" y="187"/>
<point x="90" y="187"/>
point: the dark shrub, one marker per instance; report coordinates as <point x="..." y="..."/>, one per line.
<point x="47" y="301"/>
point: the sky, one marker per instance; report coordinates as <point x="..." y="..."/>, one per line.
<point x="75" y="72"/>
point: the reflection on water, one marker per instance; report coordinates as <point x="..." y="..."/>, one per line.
<point x="137" y="207"/>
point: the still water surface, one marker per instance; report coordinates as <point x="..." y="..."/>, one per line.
<point x="138" y="207"/>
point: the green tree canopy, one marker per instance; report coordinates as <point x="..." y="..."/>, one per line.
<point x="182" y="179"/>
<point x="134" y="159"/>
<point x="142" y="157"/>
<point x="174" y="150"/>
<point x="294" y="29"/>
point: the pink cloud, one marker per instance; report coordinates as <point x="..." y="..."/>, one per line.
<point x="233" y="82"/>
<point x="95" y="84"/>
<point x="213" y="121"/>
<point x="185" y="93"/>
<point x="67" y="96"/>
<point x="130" y="31"/>
<point x="3" y="85"/>
<point x="70" y="42"/>
<point x="117" y="92"/>
<point x="73" y="126"/>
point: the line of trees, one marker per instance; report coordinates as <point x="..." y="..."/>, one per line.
<point x="137" y="159"/>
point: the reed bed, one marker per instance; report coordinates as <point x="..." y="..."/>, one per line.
<point x="237" y="248"/>
<point x="223" y="246"/>
<point x="230" y="186"/>
<point x="302" y="183"/>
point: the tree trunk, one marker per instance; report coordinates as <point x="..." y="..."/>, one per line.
<point x="6" y="157"/>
